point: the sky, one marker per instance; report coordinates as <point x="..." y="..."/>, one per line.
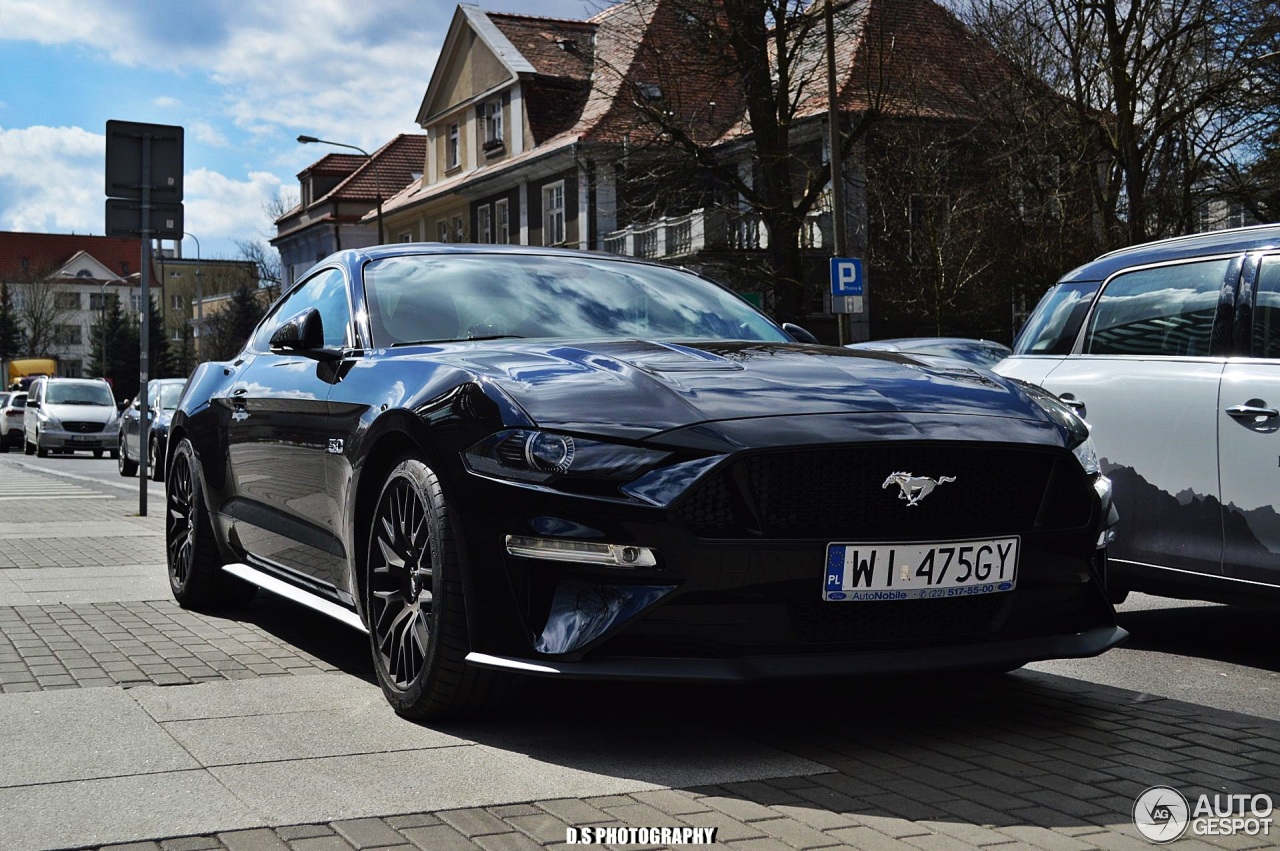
<point x="243" y="77"/>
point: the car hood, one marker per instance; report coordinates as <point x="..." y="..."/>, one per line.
<point x="80" y="413"/>
<point x="638" y="389"/>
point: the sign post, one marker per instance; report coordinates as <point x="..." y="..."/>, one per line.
<point x="846" y="285"/>
<point x="144" y="165"/>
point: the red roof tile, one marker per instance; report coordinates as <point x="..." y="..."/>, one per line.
<point x="46" y="252"/>
<point x="556" y="48"/>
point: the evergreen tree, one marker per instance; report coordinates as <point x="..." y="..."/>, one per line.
<point x="229" y="329"/>
<point x="118" y="362"/>
<point x="184" y="352"/>
<point x="11" y="336"/>
<point x="162" y="362"/>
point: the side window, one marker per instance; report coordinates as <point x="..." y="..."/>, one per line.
<point x="1165" y="311"/>
<point x="1266" y="310"/>
<point x="326" y="292"/>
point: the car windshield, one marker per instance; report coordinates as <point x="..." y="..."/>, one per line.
<point x="169" y="396"/>
<point x="79" y="394"/>
<point x="1054" y="324"/>
<point x="437" y="298"/>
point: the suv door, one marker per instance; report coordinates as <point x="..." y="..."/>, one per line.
<point x="1145" y="373"/>
<point x="1249" y="434"/>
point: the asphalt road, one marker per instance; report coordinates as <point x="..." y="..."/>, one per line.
<point x="1219" y="656"/>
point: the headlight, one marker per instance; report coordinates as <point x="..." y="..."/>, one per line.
<point x="49" y="421"/>
<point x="525" y="455"/>
<point x="1078" y="440"/>
<point x="1087" y="454"/>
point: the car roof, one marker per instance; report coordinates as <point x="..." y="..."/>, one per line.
<point x="1235" y="240"/>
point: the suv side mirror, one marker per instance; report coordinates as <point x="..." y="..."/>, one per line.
<point x="33" y="403"/>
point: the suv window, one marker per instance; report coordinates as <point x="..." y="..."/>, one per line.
<point x="1053" y="325"/>
<point x="1163" y="311"/>
<point x="1266" y="311"/>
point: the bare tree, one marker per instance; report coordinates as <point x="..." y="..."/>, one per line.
<point x="265" y="257"/>
<point x="37" y="307"/>
<point x="715" y="109"/>
<point x="1164" y="93"/>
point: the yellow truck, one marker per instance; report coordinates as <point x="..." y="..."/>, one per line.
<point x="22" y="370"/>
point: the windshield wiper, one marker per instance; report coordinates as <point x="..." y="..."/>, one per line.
<point x="460" y="340"/>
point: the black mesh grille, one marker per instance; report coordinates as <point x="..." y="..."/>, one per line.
<point x="82" y="428"/>
<point x="898" y="621"/>
<point x="837" y="493"/>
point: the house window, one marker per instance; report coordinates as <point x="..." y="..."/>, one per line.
<point x="484" y="224"/>
<point x="442" y="231"/>
<point x="406" y="237"/>
<point x="504" y="223"/>
<point x="70" y="369"/>
<point x="493" y="126"/>
<point x="553" y="213"/>
<point x="100" y="300"/>
<point x="175" y="301"/>
<point x="451" y="153"/>
<point x="68" y="335"/>
<point x="135" y="302"/>
<point x="67" y="301"/>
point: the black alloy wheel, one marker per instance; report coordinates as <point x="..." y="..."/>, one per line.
<point x="414" y="603"/>
<point x="196" y="577"/>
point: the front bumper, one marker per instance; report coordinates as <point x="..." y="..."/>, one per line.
<point x="106" y="439"/>
<point x="738" y="609"/>
<point x="992" y="656"/>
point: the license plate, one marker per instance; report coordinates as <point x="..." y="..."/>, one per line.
<point x="81" y="438"/>
<point x="920" y="569"/>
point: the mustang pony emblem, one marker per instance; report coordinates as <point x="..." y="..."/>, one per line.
<point x="914" y="488"/>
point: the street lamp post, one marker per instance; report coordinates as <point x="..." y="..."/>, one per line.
<point x="377" y="178"/>
<point x="199" y="298"/>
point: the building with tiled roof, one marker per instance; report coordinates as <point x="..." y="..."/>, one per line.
<point x="545" y="131"/>
<point x="335" y="193"/>
<point x="59" y="284"/>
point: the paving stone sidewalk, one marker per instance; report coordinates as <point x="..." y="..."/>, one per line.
<point x="1028" y="760"/>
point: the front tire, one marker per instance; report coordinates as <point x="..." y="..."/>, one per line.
<point x="123" y="464"/>
<point x="196" y="577"/>
<point x="414" y="603"/>
<point x="155" y="462"/>
<point x="28" y="448"/>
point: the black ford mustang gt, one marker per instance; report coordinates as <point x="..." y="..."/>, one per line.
<point x="499" y="460"/>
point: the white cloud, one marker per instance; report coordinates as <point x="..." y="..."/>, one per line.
<point x="334" y="68"/>
<point x="166" y="102"/>
<point x="205" y="132"/>
<point x="222" y="208"/>
<point x="51" y="180"/>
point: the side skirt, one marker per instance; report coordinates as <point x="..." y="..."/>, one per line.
<point x="296" y="594"/>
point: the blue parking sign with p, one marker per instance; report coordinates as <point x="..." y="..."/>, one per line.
<point x="846" y="276"/>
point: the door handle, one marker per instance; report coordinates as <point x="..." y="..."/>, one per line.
<point x="240" y="391"/>
<point x="1250" y="410"/>
<point x="1072" y="402"/>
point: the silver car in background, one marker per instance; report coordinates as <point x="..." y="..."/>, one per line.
<point x="70" y="414"/>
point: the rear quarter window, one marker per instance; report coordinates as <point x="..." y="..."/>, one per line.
<point x="1161" y="311"/>
<point x="1266" y="311"/>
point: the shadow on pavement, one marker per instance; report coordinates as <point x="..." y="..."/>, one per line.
<point x="1230" y="634"/>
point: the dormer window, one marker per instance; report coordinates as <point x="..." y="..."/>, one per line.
<point x="453" y="147"/>
<point x="650" y="91"/>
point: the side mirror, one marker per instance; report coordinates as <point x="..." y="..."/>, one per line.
<point x="798" y="334"/>
<point x="31" y="403"/>
<point x="303" y="335"/>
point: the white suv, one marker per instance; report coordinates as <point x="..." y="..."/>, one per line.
<point x="69" y="414"/>
<point x="1171" y="351"/>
